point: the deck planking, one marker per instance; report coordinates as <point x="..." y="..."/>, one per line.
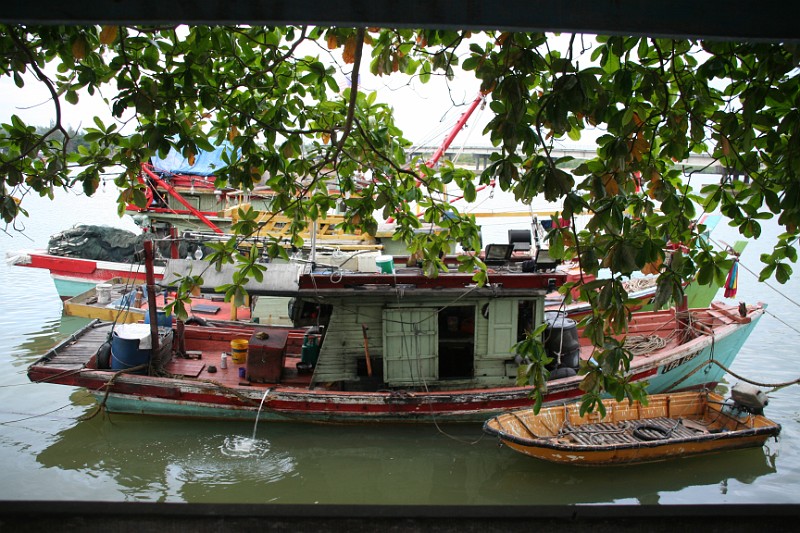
<point x="623" y="432"/>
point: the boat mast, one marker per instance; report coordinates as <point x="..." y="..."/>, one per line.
<point x="451" y="137"/>
<point x="455" y="131"/>
<point x="151" y="293"/>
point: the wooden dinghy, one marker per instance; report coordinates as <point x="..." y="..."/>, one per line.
<point x="669" y="426"/>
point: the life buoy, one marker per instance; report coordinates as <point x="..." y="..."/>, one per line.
<point x="660" y="433"/>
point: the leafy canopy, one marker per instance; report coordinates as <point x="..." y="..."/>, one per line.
<point x="273" y="93"/>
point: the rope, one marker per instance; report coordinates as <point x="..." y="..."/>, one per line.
<point x="107" y="386"/>
<point x="638" y="284"/>
<point x="641" y="344"/>
<point x="773" y="386"/>
<point x="776" y="317"/>
<point x="234" y="392"/>
<point x="661" y="433"/>
<point x="36" y="416"/>
<point x="763" y="282"/>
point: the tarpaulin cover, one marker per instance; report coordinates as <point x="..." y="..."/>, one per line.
<point x="205" y="163"/>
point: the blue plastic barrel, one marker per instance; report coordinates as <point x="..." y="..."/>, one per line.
<point x="163" y="320"/>
<point x="130" y="347"/>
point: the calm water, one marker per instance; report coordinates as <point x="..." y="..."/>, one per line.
<point x="48" y="452"/>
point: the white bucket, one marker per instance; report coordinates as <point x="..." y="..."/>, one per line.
<point x="103" y="291"/>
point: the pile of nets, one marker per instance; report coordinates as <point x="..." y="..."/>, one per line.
<point x="101" y="243"/>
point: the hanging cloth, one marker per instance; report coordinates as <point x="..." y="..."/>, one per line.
<point x="731" y="284"/>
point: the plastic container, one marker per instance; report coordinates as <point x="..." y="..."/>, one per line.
<point x="239" y="350"/>
<point x="131" y="346"/>
<point x="163" y="320"/>
<point x="385" y="264"/>
<point x="103" y="291"/>
<point x="310" y="351"/>
<point x="561" y="342"/>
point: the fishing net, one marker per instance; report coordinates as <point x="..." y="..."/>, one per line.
<point x="101" y="243"/>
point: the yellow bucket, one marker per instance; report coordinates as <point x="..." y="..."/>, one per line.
<point x="239" y="350"/>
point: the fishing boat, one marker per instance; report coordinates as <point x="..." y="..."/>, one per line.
<point x="668" y="426"/>
<point x="118" y="300"/>
<point x="385" y="347"/>
<point x="186" y="208"/>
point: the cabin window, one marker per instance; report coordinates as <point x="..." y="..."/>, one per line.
<point x="456" y="342"/>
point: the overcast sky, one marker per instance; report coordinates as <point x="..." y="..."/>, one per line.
<point x="426" y="113"/>
<point x="421" y="110"/>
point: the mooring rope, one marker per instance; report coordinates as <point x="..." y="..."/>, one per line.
<point x="234" y="392"/>
<point x="107" y="386"/>
<point x="773" y="386"/>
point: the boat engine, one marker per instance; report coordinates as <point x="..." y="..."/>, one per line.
<point x="562" y="345"/>
<point x="749" y="399"/>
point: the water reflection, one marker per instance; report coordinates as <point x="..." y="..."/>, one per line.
<point x="169" y="460"/>
<point x="646" y="484"/>
<point x="162" y="460"/>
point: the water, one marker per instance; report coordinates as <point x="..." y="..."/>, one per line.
<point x="48" y="452"/>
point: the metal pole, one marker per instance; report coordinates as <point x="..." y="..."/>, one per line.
<point x="151" y="293"/>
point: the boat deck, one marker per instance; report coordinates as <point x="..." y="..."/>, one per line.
<point x="626" y="432"/>
<point x="76" y="354"/>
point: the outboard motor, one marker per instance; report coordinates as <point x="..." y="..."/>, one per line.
<point x="747" y="398"/>
<point x="562" y="345"/>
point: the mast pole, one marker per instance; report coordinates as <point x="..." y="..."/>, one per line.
<point x="151" y="293"/>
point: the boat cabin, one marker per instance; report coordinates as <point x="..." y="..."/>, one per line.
<point x="411" y="332"/>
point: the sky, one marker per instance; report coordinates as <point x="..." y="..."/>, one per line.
<point x="420" y="109"/>
<point x="425" y="112"/>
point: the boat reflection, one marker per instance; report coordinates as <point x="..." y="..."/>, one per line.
<point x="672" y="482"/>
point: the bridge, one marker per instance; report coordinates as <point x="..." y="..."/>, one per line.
<point x="480" y="155"/>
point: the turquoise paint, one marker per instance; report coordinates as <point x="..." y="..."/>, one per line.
<point x="724" y="351"/>
<point x="68" y="288"/>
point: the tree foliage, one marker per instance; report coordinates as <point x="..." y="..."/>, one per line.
<point x="273" y="93"/>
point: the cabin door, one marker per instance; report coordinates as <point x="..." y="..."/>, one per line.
<point x="502" y="328"/>
<point x="410" y="346"/>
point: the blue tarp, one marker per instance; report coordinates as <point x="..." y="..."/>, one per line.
<point x="205" y="163"/>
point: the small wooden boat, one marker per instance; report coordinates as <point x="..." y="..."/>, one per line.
<point x="669" y="426"/>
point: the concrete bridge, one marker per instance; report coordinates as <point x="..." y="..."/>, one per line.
<point x="480" y="155"/>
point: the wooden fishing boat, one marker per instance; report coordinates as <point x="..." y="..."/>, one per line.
<point x="123" y="302"/>
<point x="397" y="347"/>
<point x="669" y="426"/>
